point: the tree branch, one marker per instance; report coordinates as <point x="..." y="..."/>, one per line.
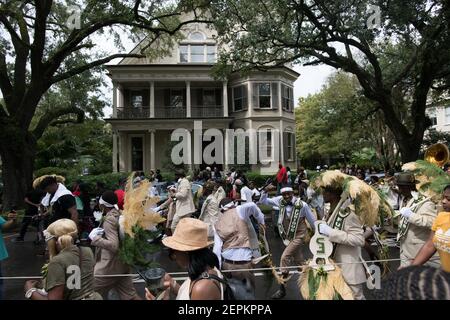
<point x="51" y="117"/>
<point x="80" y="69"/>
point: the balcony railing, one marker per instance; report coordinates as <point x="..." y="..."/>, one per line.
<point x="207" y="111"/>
<point x="170" y="112"/>
<point x="133" y="113"/>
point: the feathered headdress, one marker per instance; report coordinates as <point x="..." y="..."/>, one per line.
<point x="432" y="179"/>
<point x="370" y="206"/>
<point x="37" y="181"/>
<point x="138" y="207"/>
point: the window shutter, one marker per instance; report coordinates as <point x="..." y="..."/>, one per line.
<point x="218" y="97"/>
<point x="244" y="97"/>
<point x="285" y="146"/>
<point x="255" y="95"/>
<point x="230" y="100"/>
<point x="199" y="94"/>
<point x="291" y="101"/>
<point x="184" y="104"/>
<point x="166" y="97"/>
<point x="274" y="93"/>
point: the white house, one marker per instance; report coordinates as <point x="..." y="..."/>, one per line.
<point x="153" y="98"/>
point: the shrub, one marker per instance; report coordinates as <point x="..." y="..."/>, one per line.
<point x="51" y="170"/>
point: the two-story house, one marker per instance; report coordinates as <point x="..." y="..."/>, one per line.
<point x="153" y="98"/>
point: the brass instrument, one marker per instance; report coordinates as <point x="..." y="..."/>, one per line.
<point x="437" y="154"/>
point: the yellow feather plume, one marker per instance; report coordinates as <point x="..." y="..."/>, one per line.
<point x="137" y="207"/>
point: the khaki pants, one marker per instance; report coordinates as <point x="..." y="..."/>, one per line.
<point x="292" y="255"/>
<point x="248" y="276"/>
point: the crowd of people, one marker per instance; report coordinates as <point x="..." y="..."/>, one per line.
<point x="222" y="231"/>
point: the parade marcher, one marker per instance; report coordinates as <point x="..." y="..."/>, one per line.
<point x="120" y="193"/>
<point x="158" y="176"/>
<point x="219" y="192"/>
<point x="232" y="241"/>
<point x="32" y="200"/>
<point x="345" y="230"/>
<point x="281" y="177"/>
<point x="439" y="239"/>
<point x="189" y="248"/>
<point x="209" y="212"/>
<point x="417" y="216"/>
<point x="106" y="239"/>
<point x="5" y="225"/>
<point x="291" y="228"/>
<point x="64" y="231"/>
<point x="59" y="203"/>
<point x="184" y="202"/>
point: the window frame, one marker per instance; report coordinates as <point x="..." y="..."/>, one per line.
<point x="243" y="98"/>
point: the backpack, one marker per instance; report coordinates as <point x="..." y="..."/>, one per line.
<point x="228" y="293"/>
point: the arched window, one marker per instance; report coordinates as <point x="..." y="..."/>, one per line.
<point x="196" y="36"/>
<point x="197" y="49"/>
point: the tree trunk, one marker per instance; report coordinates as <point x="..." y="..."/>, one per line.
<point x="409" y="149"/>
<point x="17" y="168"/>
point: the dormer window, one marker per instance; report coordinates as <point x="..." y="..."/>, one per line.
<point x="197" y="49"/>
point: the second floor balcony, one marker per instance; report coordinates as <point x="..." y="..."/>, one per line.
<point x="170" y="100"/>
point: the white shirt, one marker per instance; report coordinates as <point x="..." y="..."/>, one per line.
<point x="305" y="211"/>
<point x="244" y="212"/>
<point x="246" y="194"/>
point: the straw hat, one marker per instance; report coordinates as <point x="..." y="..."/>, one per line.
<point x="190" y="234"/>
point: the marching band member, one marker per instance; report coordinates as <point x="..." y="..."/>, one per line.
<point x="292" y="228"/>
<point x="417" y="216"/>
<point x="345" y="230"/>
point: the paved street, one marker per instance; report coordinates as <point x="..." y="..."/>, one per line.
<point x="26" y="260"/>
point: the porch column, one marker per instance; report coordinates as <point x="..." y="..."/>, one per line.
<point x="188" y="99"/>
<point x="280" y="99"/>
<point x="227" y="151"/>
<point x="281" y="140"/>
<point x="114" y="153"/>
<point x="121" y="102"/>
<point x="225" y="98"/>
<point x="152" y="150"/>
<point x="115" y="88"/>
<point x="122" y="152"/>
<point x="152" y="99"/>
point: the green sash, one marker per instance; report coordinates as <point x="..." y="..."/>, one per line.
<point x="404" y="222"/>
<point x="288" y="236"/>
<point x="338" y="223"/>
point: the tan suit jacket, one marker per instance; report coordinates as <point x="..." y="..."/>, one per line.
<point x="418" y="232"/>
<point x="349" y="241"/>
<point x="185" y="203"/>
<point x="107" y="247"/>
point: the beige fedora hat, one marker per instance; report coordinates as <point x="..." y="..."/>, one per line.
<point x="190" y="234"/>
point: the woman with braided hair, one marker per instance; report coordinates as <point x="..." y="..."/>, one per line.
<point x="415" y="283"/>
